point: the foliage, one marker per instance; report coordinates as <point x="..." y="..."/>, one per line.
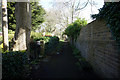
<point x="37" y="15"/>
<point x="62" y="40"/>
<point x="51" y="45"/>
<point x="76" y="53"/>
<point x="11" y="15"/>
<point x="81" y="63"/>
<point x="84" y="65"/>
<point x="0" y="38"/>
<point x="35" y="61"/>
<point x="110" y="12"/>
<point x="13" y="64"/>
<point x="10" y="36"/>
<point x="11" y="32"/>
<point x="0" y="28"/>
<point x="1" y="46"/>
<point x="73" y="30"/>
<point x="36" y="35"/>
<point x="45" y="38"/>
<point x="47" y="33"/>
<point x="59" y="46"/>
<point x="0" y="16"/>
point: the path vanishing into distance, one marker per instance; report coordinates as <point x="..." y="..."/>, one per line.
<point x="60" y="66"/>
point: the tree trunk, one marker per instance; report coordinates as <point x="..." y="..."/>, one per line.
<point x="5" y="26"/>
<point x="23" y="26"/>
<point x="28" y="29"/>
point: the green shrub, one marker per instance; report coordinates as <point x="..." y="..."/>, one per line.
<point x="79" y="66"/>
<point x="50" y="42"/>
<point x="76" y="51"/>
<point x="46" y="39"/>
<point x="47" y="33"/>
<point x="59" y="47"/>
<point x="13" y="64"/>
<point x="36" y="35"/>
<point x="73" y="30"/>
<point x="81" y="63"/>
<point x="11" y="32"/>
<point x="85" y="65"/>
<point x="10" y="36"/>
<point x="51" y="45"/>
<point x="54" y="40"/>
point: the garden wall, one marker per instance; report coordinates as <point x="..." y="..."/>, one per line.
<point x="98" y="47"/>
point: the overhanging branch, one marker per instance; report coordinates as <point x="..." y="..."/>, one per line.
<point x="82" y="7"/>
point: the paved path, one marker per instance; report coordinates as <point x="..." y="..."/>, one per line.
<point x="61" y="66"/>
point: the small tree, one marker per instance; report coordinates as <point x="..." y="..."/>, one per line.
<point x="73" y="29"/>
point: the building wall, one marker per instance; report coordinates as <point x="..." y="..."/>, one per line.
<point x="100" y="49"/>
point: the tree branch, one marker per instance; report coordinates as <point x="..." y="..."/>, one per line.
<point x="82" y="7"/>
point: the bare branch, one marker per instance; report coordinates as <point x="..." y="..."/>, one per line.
<point x="83" y="6"/>
<point x="78" y="4"/>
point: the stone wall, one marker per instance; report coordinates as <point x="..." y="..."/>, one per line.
<point x="100" y="49"/>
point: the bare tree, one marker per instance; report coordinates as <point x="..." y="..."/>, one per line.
<point x="64" y="13"/>
<point x="51" y="21"/>
<point x="72" y="8"/>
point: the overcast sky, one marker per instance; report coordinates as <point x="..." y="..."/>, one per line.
<point x="47" y="4"/>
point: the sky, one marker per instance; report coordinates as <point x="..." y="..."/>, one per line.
<point x="85" y="13"/>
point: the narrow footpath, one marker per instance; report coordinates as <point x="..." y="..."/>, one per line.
<point x="60" y="66"/>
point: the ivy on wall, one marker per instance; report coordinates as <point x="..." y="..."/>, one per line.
<point x="111" y="13"/>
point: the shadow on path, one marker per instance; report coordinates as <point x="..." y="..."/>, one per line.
<point x="61" y="66"/>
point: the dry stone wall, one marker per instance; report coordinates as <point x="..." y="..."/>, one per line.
<point x="100" y="49"/>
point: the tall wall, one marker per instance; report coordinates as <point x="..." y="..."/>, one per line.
<point x="98" y="47"/>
